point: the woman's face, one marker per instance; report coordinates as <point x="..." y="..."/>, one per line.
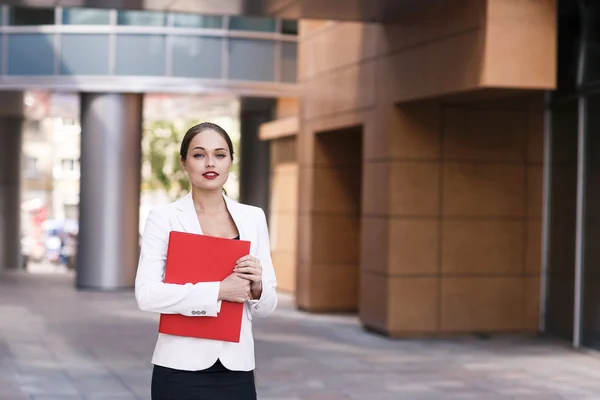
<point x="208" y="161"/>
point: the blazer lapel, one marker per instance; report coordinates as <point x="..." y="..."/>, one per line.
<point x="187" y="215"/>
<point x="236" y="214"/>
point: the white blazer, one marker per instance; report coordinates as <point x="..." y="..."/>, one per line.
<point x="200" y="300"/>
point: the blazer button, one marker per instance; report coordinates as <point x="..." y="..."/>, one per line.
<point x="202" y="312"/>
<point x="194" y="312"/>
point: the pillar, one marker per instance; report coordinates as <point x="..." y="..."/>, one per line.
<point x="11" y="121"/>
<point x="111" y="125"/>
<point x="255" y="154"/>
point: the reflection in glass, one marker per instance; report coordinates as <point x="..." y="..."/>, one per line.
<point x="251" y="60"/>
<point x="197" y="21"/>
<point x="85" y="16"/>
<point x="142" y="18"/>
<point x="140" y="55"/>
<point x="591" y="233"/>
<point x="197" y="57"/>
<point x="590" y="18"/>
<point x="30" y="54"/>
<point x="560" y="282"/>
<point x="289" y="27"/>
<point x="289" y="62"/>
<point x="22" y="16"/>
<point x="84" y="54"/>
<point x="252" y="24"/>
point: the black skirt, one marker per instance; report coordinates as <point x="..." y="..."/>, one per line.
<point x="214" y="383"/>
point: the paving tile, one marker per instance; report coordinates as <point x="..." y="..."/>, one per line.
<point x="58" y="343"/>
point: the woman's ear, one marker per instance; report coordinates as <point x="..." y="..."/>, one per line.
<point x="182" y="162"/>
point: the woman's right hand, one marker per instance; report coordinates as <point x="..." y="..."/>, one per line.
<point x="234" y="289"/>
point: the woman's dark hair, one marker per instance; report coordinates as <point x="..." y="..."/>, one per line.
<point x="196" y="129"/>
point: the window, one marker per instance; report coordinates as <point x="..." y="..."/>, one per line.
<point x="251" y="60"/>
<point x="289" y="27"/>
<point x="21" y="16"/>
<point x="252" y="24"/>
<point x="142" y="18"/>
<point x="140" y="55"/>
<point x="85" y="16"/>
<point x="30" y="166"/>
<point x="197" y="21"/>
<point x="69" y="165"/>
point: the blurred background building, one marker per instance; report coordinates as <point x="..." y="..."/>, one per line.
<point x="429" y="165"/>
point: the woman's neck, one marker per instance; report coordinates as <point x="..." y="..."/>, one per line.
<point x="208" y="202"/>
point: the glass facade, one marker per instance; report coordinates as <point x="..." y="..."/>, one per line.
<point x="252" y="24"/>
<point x="197" y="57"/>
<point x="85" y="16"/>
<point x="84" y="54"/>
<point x="23" y="16"/>
<point x="197" y="21"/>
<point x="141" y="18"/>
<point x="103" y="42"/>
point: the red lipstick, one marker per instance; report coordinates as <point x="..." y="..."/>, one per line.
<point x="210" y="175"/>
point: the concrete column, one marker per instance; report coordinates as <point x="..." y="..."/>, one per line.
<point x="11" y="136"/>
<point x="255" y="154"/>
<point x="111" y="125"/>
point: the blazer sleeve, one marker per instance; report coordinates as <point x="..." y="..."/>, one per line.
<point x="267" y="302"/>
<point x="152" y="294"/>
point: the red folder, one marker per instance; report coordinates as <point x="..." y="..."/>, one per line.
<point x="195" y="258"/>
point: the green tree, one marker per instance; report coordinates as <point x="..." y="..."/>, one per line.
<point x="162" y="170"/>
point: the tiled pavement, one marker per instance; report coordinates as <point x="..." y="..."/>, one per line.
<point x="60" y="344"/>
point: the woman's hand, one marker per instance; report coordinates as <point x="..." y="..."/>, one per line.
<point x="249" y="268"/>
<point x="234" y="289"/>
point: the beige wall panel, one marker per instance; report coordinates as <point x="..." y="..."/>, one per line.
<point x="287" y="107"/>
<point x="531" y="309"/>
<point x="353" y="42"/>
<point x="342" y="90"/>
<point x="414" y="188"/>
<point x="308" y="27"/>
<point x="417" y="73"/>
<point x="283" y="230"/>
<point x="335" y="239"/>
<point x="334" y="287"/>
<point x="535" y="185"/>
<point x="438" y="22"/>
<point x="413" y="305"/>
<point x="533" y="247"/>
<point x="375" y="187"/>
<point x="337" y="190"/>
<point x="488" y="135"/>
<point x="483" y="248"/>
<point x="305" y="190"/>
<point x="338" y="121"/>
<point x="374" y="303"/>
<point x="338" y="149"/>
<point x="481" y="304"/>
<point x="374" y="244"/>
<point x="483" y="190"/>
<point x="284" y="190"/>
<point x="535" y="138"/>
<point x="409" y="131"/>
<point x="413" y="247"/>
<point x="285" y="270"/>
<point x="526" y="30"/>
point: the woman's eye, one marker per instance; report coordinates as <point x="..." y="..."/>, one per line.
<point x="198" y="155"/>
<point x="220" y="155"/>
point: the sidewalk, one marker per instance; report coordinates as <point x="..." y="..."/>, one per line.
<point x="60" y="344"/>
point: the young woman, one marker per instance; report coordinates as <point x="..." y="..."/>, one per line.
<point x="191" y="368"/>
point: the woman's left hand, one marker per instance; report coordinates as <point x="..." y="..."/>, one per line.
<point x="249" y="267"/>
